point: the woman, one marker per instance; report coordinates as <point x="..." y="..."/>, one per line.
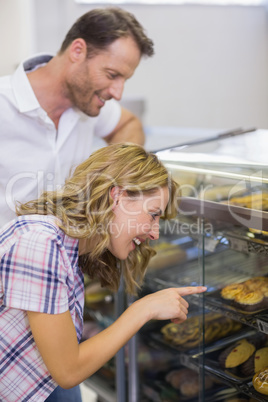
<point x="106" y="213"/>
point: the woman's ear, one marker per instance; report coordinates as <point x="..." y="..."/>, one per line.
<point x="116" y="192"/>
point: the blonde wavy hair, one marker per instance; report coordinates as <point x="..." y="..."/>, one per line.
<point x="84" y="208"/>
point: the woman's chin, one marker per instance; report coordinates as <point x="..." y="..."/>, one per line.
<point x="122" y="253"/>
<point x="121" y="256"/>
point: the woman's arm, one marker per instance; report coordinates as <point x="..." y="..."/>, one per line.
<point x="70" y="363"/>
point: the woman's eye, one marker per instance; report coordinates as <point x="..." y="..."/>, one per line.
<point x="154" y="216"/>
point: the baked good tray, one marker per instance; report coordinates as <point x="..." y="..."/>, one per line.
<point x="217" y="300"/>
<point x="191" y="358"/>
<point x="156" y="339"/>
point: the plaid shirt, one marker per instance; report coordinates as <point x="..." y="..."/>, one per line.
<point x="38" y="272"/>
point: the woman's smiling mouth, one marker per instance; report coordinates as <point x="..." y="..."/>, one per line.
<point x="137" y="241"/>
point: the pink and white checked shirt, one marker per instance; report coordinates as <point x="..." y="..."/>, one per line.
<point x="38" y="272"/>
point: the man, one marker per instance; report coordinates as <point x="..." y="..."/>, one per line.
<point x="51" y="107"/>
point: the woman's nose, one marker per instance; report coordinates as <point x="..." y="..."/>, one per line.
<point x="154" y="232"/>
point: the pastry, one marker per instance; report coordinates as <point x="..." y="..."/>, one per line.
<point x="227" y="326"/>
<point x="250" y="295"/>
<point x="189" y="333"/>
<point x="256" y="283"/>
<point x="176" y="377"/>
<point x="229" y="292"/>
<point x="259" y="340"/>
<point x="212" y="331"/>
<point x="218" y="327"/>
<point x="258" y="233"/>
<point x="253" y="201"/>
<point x="261" y="359"/>
<point x="179" y="334"/>
<point x="250" y="300"/>
<point x="236" y="354"/>
<point x="187" y="382"/>
<point x="256" y="362"/>
<point x="260" y="381"/>
<point x="264" y="288"/>
<point x="218" y="193"/>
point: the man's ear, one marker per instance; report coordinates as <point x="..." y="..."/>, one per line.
<point x="78" y="50"/>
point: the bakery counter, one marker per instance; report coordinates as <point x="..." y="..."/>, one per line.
<point x="232" y="355"/>
<point x="182" y="384"/>
<point x="163" y="377"/>
<point x="235" y="272"/>
<point x="170" y="389"/>
<point x="185" y="340"/>
<point x="242" y="364"/>
<point x="238" y="359"/>
<point x="199" y="341"/>
<point x="219" y="239"/>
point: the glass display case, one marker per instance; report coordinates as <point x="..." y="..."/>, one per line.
<point x="218" y="239"/>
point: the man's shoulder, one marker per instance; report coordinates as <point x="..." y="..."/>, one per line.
<point x="7" y="97"/>
<point x="7" y="86"/>
<point x="26" y="65"/>
<point x="5" y="83"/>
<point x="36" y="60"/>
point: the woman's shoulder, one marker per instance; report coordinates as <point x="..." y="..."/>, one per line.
<point x="44" y="223"/>
<point x="28" y="226"/>
<point x="36" y="221"/>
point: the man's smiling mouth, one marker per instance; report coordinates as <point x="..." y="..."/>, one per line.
<point x="101" y="99"/>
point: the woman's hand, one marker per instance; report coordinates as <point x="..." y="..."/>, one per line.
<point x="70" y="363"/>
<point x="168" y="304"/>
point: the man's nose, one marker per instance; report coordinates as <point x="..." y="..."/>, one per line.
<point x="116" y="89"/>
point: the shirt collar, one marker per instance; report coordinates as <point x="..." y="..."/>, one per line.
<point x="23" y="92"/>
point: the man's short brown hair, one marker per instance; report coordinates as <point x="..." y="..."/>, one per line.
<point x="100" y="27"/>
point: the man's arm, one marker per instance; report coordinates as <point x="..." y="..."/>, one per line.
<point x="128" y="129"/>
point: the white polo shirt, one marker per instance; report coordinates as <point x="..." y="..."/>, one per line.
<point x="34" y="155"/>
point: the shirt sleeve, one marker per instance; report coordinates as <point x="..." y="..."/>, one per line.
<point x="34" y="274"/>
<point x="108" y="118"/>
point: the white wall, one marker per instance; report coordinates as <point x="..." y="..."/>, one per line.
<point x="210" y="68"/>
<point x="16" y="33"/>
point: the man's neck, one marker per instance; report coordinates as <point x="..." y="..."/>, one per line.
<point x="47" y="84"/>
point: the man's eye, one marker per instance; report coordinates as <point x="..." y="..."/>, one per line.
<point x="112" y="76"/>
<point x="154" y="216"/>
